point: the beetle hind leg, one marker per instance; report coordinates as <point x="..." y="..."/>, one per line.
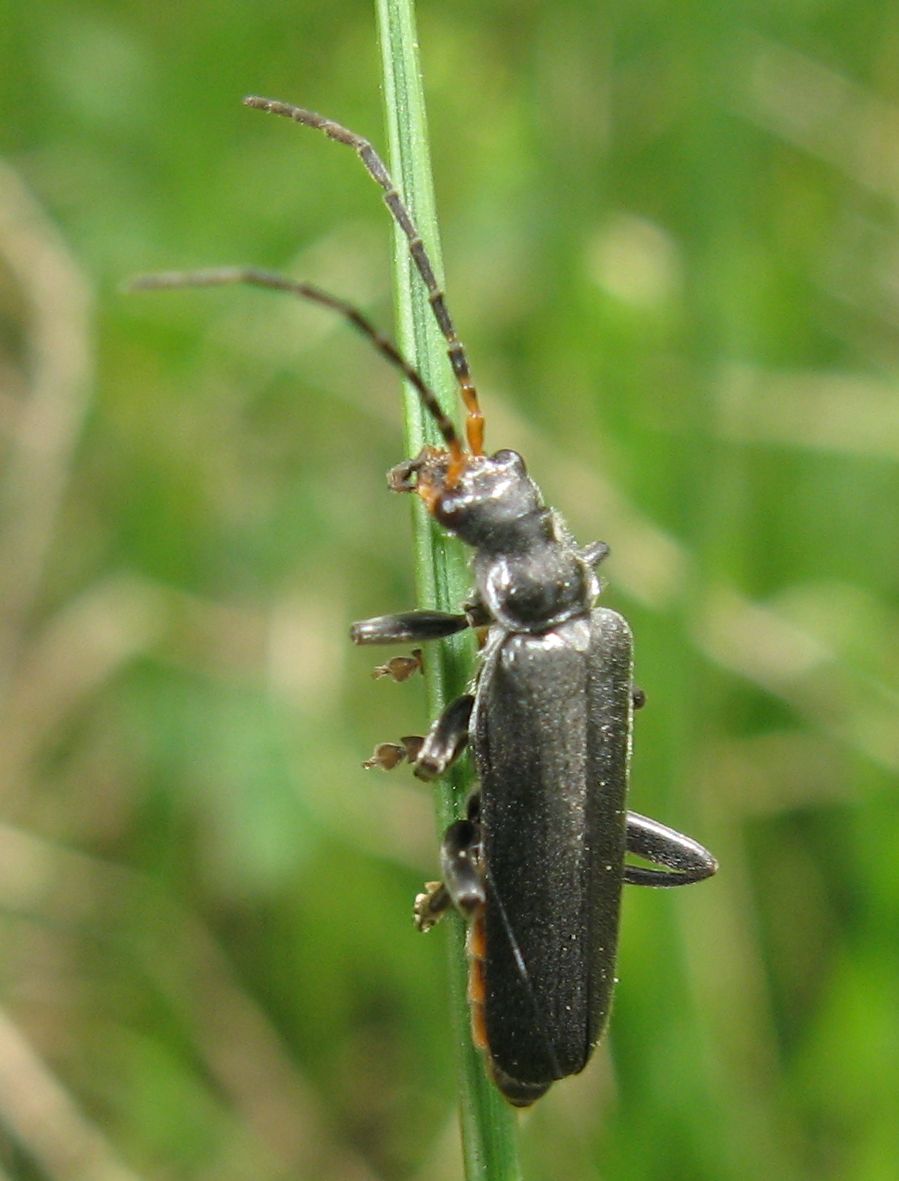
<point x="463" y="876"/>
<point x="684" y="859"/>
<point x="431" y="905"/>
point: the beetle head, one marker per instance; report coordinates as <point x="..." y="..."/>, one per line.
<point x="481" y="500"/>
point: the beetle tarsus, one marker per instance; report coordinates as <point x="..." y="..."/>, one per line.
<point x="388" y="755"/>
<point x="385" y="756"/>
<point x="430" y="906"/>
<point x="400" y="668"/>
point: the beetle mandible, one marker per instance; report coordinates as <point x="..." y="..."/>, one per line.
<point x="538" y="863"/>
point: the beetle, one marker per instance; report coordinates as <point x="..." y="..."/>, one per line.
<point x="537" y="864"/>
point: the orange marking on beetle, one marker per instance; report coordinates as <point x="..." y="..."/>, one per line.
<point x="430" y="494"/>
<point x="474" y="430"/>
<point x="477" y="982"/>
<point x="476" y="942"/>
<point x="479" y="1027"/>
<point x="454" y="471"/>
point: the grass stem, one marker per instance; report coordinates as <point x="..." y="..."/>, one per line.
<point x="489" y="1127"/>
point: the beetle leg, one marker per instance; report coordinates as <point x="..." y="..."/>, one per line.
<point x="400" y="668"/>
<point x="463" y="884"/>
<point x="475" y="611"/>
<point x="388" y="755"/>
<point x="460" y="859"/>
<point x="685" y="860"/>
<point x="432" y="755"/>
<point x="446" y="739"/>
<point x="407" y="626"/>
<point x="431" y="905"/>
<point x="594" y="552"/>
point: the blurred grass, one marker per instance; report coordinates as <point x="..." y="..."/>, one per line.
<point x="671" y="242"/>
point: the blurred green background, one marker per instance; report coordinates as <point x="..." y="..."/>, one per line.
<point x="672" y="248"/>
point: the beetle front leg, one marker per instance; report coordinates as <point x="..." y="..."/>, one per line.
<point x="685" y="860"/>
<point x="400" y="668"/>
<point x="403" y="628"/>
<point x="407" y="626"/>
<point x="431" y="905"/>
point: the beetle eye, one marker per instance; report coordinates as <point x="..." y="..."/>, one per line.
<point x="509" y="458"/>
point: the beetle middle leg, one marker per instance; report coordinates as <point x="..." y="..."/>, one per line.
<point x="685" y="860"/>
<point x="446" y="739"/>
<point x="437" y="751"/>
<point x="448" y="735"/>
<point x="388" y="755"/>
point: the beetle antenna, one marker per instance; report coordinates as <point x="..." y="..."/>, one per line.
<point x="377" y="170"/>
<point x="227" y="276"/>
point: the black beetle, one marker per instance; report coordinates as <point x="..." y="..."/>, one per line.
<point x="538" y="863"/>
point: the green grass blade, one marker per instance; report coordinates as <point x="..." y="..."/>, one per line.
<point x="488" y="1124"/>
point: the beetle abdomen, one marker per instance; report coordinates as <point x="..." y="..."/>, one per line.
<point x="518" y="1094"/>
<point x="550" y="735"/>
